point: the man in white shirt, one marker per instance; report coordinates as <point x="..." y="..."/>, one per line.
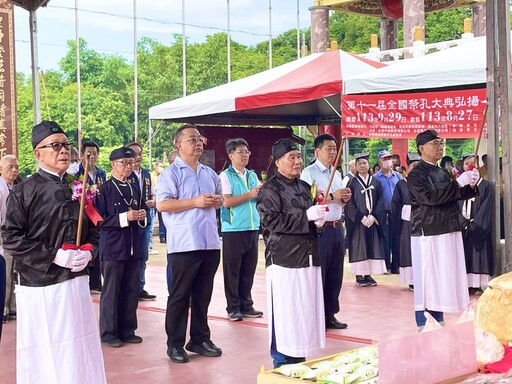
<point x="331" y="243"/>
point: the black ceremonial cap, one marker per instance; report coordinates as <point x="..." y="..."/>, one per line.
<point x="412" y="157"/>
<point x="426" y="136"/>
<point x="122" y="153"/>
<point x="44" y="129"/>
<point x="282" y="146"/>
<point x="359" y="156"/>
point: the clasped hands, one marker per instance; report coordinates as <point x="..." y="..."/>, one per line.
<point x="136" y="214"/>
<point x="207" y="200"/>
<point x="72" y="257"/>
<point x="469" y="178"/>
<point x="368" y="221"/>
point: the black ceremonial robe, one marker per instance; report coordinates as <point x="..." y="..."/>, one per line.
<point x="365" y="243"/>
<point x="401" y="228"/>
<point x="117" y="243"/>
<point x="476" y="231"/>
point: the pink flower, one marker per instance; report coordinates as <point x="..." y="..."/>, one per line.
<point x="77" y="191"/>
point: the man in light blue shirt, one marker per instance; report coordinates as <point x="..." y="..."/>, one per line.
<point x="388" y="178"/>
<point x="331" y="243"/>
<point x="188" y="195"/>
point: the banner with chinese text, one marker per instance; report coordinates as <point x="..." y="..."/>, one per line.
<point x="8" y="117"/>
<point x="453" y="114"/>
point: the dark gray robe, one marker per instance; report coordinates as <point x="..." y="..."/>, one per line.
<point x="476" y="232"/>
<point x="364" y="243"/>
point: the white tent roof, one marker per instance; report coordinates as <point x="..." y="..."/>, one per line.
<point x="458" y="66"/>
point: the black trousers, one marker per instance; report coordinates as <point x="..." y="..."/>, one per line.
<point x="95" y="272"/>
<point x="119" y="299"/>
<point x="331" y="248"/>
<point x="239" y="261"/>
<point x="390" y="248"/>
<point x="192" y="282"/>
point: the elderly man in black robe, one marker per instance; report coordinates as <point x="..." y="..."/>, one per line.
<point x="117" y="202"/>
<point x="56" y="331"/>
<point x="290" y="221"/>
<point x="440" y="283"/>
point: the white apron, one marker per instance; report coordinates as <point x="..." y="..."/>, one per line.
<point x="295" y="299"/>
<point x="439" y="268"/>
<point x="406" y="276"/>
<point x="57" y="335"/>
<point x="368" y="267"/>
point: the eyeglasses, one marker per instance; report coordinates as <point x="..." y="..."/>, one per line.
<point x="125" y="163"/>
<point x="58" y="146"/>
<point x="248" y="153"/>
<point x="436" y="143"/>
<point x="193" y="139"/>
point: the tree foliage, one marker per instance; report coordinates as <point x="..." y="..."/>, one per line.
<point x="107" y="82"/>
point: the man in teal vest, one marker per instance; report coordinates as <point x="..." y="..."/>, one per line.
<point x="240" y="224"/>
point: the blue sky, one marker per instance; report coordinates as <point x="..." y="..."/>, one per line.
<point x="107" y="25"/>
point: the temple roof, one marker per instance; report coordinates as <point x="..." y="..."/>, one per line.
<point x="374" y="7"/>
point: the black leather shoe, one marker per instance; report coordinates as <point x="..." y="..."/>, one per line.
<point x="206" y="348"/>
<point x="333" y="323"/>
<point x="177" y="355"/>
<point x="133" y="339"/>
<point x="113" y="342"/>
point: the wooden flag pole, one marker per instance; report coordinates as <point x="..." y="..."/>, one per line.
<point x="480" y="134"/>
<point x="331" y="178"/>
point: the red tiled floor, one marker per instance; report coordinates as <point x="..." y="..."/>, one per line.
<point x="373" y="314"/>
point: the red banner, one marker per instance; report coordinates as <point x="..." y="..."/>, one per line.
<point x="453" y="114"/>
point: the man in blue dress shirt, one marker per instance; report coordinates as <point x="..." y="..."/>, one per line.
<point x="188" y="195"/>
<point x="388" y="178"/>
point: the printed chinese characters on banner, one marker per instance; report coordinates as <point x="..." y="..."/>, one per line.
<point x="454" y="114"/>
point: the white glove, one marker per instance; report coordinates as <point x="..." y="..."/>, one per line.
<point x="320" y="222"/>
<point x="406" y="213"/>
<point x="317" y="212"/>
<point x="81" y="260"/>
<point x="465" y="178"/>
<point x="474" y="177"/>
<point x="364" y="221"/>
<point x="65" y="258"/>
<point x="371" y="220"/>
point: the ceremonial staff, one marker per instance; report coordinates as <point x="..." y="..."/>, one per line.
<point x="331" y="178"/>
<point x="82" y="199"/>
<point x="480" y="134"/>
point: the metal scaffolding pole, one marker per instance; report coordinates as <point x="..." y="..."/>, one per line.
<point x="36" y="91"/>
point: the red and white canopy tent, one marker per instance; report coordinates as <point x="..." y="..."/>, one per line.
<point x="303" y="92"/>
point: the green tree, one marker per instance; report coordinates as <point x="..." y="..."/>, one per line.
<point x="91" y="63"/>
